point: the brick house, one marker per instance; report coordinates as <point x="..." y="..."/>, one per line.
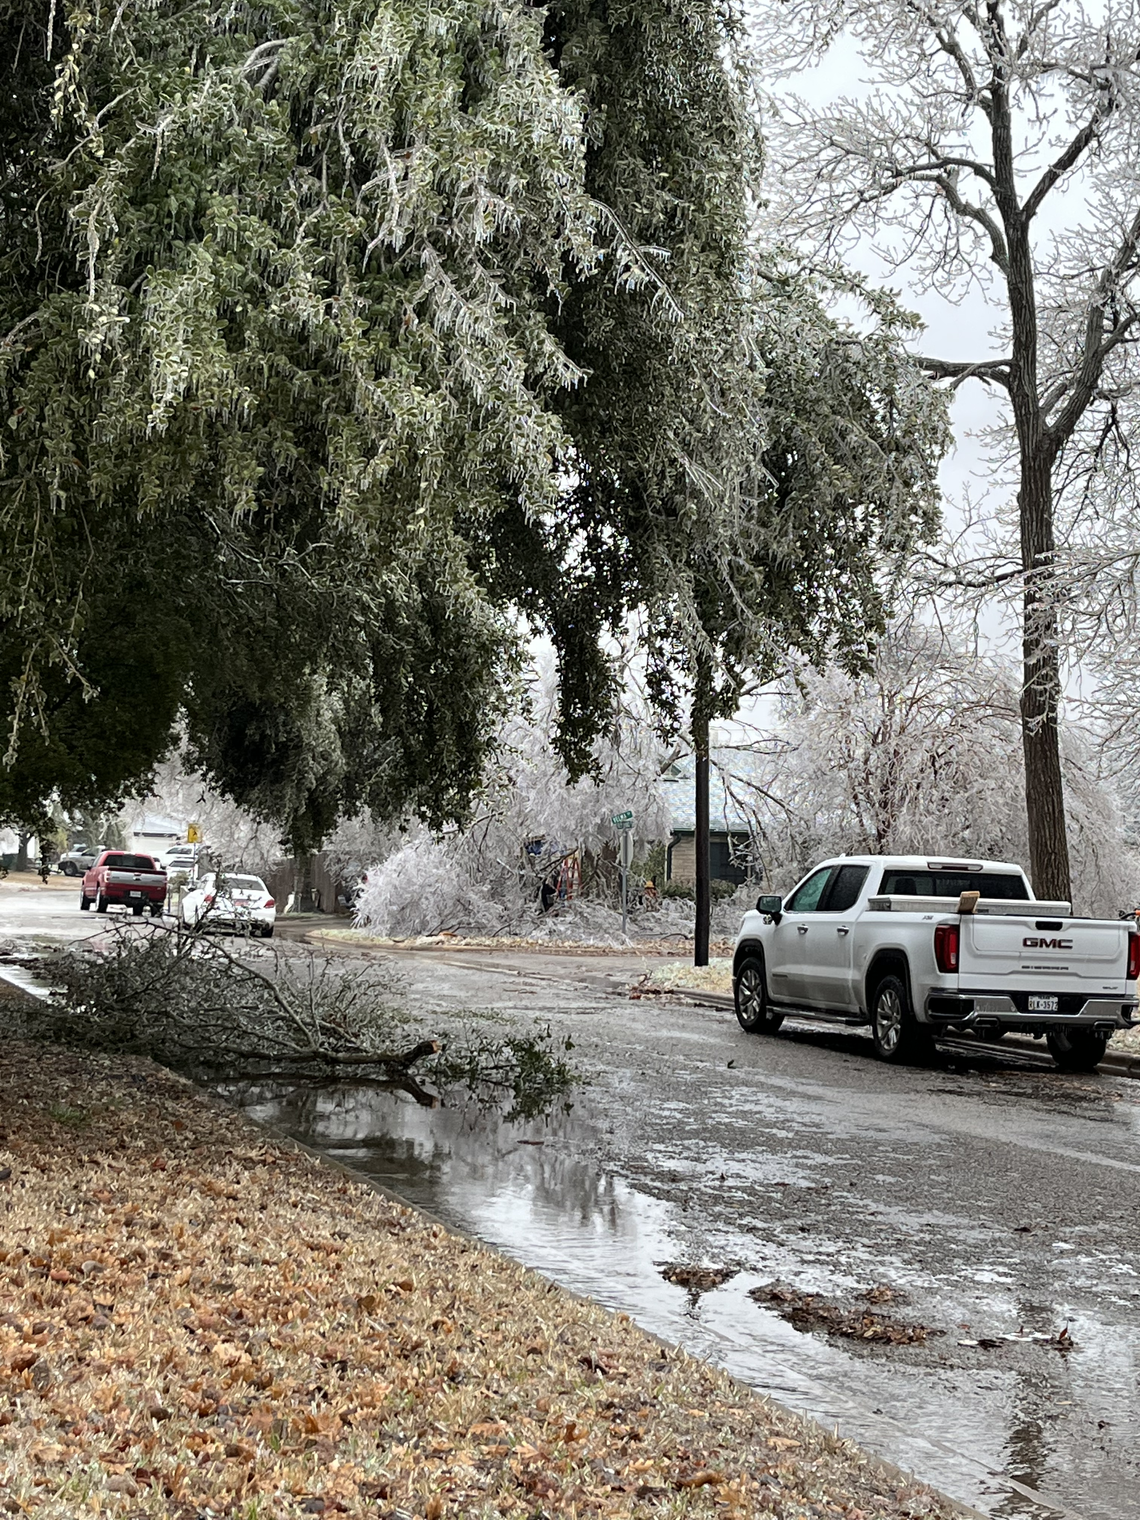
<point x="732" y="843"/>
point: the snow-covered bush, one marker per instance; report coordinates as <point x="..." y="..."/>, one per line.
<point x="425" y="887"/>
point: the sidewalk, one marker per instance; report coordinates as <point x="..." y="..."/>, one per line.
<point x="203" y="1320"/>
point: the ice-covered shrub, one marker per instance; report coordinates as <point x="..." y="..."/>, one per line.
<point x="529" y="823"/>
<point x="427" y="886"/>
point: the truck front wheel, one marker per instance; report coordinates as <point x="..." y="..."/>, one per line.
<point x="1076" y="1049"/>
<point x="897" y="1034"/>
<point x="84" y="901"/>
<point x="754" y="1013"/>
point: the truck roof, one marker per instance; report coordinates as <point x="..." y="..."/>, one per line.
<point x="924" y="863"/>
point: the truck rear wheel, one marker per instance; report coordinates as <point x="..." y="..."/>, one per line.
<point x="101" y="903"/>
<point x="1076" y="1049"/>
<point x="754" y="1013"/>
<point x="897" y="1034"/>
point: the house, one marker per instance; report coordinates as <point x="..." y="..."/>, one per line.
<point x="151" y="832"/>
<point x="732" y="842"/>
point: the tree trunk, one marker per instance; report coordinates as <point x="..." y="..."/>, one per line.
<point x="1041" y="687"/>
<point x="303" y="899"/>
<point x="1037" y="454"/>
<point x="22" y="851"/>
<point x="701" y="751"/>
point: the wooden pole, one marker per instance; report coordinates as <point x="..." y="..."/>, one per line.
<point x="701" y="751"/>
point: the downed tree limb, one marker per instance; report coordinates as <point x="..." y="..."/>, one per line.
<point x="207" y="1009"/>
<point x="378" y="1058"/>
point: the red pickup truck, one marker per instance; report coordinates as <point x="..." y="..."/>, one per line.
<point x="133" y="880"/>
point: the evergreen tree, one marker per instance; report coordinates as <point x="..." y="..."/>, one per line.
<point x="335" y="334"/>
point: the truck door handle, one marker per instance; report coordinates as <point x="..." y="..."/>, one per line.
<point x="801" y="928"/>
<point x="842" y="929"/>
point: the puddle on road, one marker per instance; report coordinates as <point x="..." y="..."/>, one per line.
<point x="23" y="980"/>
<point x="535" y="1191"/>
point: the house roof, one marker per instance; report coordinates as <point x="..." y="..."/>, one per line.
<point x="731" y="771"/>
<point x="155" y="824"/>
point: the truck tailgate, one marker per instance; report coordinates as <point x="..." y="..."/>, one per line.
<point x="1013" y="953"/>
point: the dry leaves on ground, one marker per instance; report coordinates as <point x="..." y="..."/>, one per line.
<point x="810" y="1311"/>
<point x="201" y="1320"/>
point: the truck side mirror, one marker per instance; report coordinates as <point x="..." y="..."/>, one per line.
<point x="772" y="904"/>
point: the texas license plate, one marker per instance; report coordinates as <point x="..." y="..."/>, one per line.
<point x="134" y="894"/>
<point x="1038" y="1003"/>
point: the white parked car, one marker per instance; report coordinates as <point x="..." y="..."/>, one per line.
<point x="79" y="860"/>
<point x="227" y="900"/>
<point x="179" y="859"/>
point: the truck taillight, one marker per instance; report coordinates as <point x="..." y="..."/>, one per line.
<point x="946" y="947"/>
<point x="1134" y="957"/>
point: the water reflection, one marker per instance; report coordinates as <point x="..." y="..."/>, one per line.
<point x="535" y="1190"/>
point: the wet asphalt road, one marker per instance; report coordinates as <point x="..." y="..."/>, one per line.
<point x="994" y="1200"/>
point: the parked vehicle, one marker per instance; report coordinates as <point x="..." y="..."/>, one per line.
<point x="78" y="860"/>
<point x="917" y="948"/>
<point x="135" y="881"/>
<point x="179" y="859"/>
<point x="227" y="900"/>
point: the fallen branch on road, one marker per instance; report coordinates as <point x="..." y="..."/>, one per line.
<point x="194" y="1003"/>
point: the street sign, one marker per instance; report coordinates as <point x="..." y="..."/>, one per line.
<point x="622" y="820"/>
<point x="193" y="835"/>
<point x="626" y="855"/>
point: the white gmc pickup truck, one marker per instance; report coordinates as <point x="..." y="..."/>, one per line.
<point x="917" y="947"/>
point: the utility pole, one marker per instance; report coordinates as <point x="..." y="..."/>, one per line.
<point x="701" y="752"/>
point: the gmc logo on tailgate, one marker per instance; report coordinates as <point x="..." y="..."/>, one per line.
<point x="1032" y="943"/>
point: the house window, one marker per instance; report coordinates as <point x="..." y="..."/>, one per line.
<point x="723" y="866"/>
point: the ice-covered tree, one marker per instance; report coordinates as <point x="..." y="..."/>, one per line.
<point x="995" y="148"/>
<point x="333" y="335"/>
<point x="922" y="754"/>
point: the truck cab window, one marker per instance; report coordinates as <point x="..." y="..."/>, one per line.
<point x="953" y="883"/>
<point x="805" y="899"/>
<point x="844" y="890"/>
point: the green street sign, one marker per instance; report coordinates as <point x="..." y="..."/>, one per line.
<point x="622" y="820"/>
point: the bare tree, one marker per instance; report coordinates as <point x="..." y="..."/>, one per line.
<point x="981" y="116"/>
<point x="921" y="754"/>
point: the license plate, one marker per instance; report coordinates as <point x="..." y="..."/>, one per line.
<point x="1041" y="1004"/>
<point x="135" y="894"/>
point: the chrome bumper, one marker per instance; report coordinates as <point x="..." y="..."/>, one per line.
<point x="988" y="1007"/>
